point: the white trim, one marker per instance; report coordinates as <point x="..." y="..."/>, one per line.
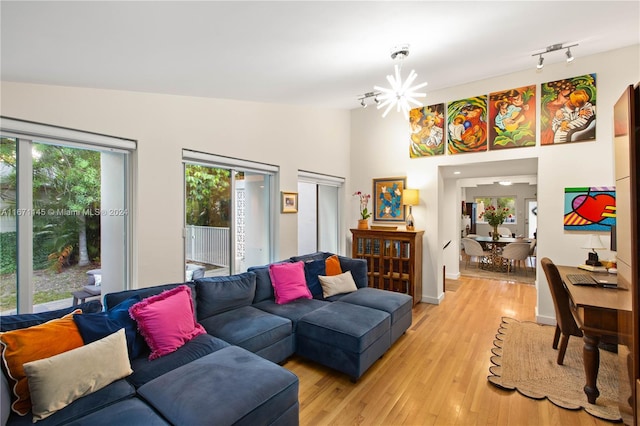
<point x="211" y="160"/>
<point x="321" y="179"/>
<point x="11" y="127"/>
<point x="24" y="202"/>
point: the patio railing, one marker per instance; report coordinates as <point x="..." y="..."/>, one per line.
<point x="207" y="244"/>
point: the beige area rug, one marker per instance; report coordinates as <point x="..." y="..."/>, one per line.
<point x="518" y="277"/>
<point x="524" y="360"/>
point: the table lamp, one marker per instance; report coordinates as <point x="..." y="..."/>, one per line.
<point x="593" y="243"/>
<point x="410" y="198"/>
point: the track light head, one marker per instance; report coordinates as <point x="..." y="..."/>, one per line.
<point x="540" y="62"/>
<point x="570" y="57"/>
<point x="364" y="105"/>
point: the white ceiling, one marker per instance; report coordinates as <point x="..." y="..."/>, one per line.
<point x="302" y="53"/>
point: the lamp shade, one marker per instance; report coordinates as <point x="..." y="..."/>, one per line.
<point x="410" y="197"/>
<point x="594" y="242"/>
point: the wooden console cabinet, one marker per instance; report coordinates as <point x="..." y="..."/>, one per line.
<point x="394" y="259"/>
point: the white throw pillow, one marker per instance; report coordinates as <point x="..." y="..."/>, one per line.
<point x="57" y="381"/>
<point x="337" y="284"/>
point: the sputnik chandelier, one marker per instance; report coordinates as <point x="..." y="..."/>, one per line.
<point x="401" y="95"/>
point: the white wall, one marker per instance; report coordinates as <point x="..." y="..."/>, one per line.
<point x="293" y="138"/>
<point x="380" y="148"/>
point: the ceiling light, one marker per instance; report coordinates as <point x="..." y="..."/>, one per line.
<point x="456" y="172"/>
<point x="401" y="94"/>
<point x="553" y="48"/>
<point x="505" y="183"/>
<point x="363" y="98"/>
<point x="570" y="57"/>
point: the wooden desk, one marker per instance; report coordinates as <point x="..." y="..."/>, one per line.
<point x="596" y="312"/>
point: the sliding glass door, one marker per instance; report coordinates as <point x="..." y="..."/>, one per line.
<point x="318" y="213"/>
<point x="64" y="222"/>
<point x="228" y="216"/>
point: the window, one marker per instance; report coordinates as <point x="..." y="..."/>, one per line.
<point x="65" y="217"/>
<point x="318" y="212"/>
<point x="498" y="202"/>
<point x="228" y="214"/>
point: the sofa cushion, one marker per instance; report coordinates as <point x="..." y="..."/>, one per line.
<point x="98" y="325"/>
<point x="145" y="370"/>
<point x="112" y="299"/>
<point x="248" y="327"/>
<point x="15" y="322"/>
<point x="319" y="255"/>
<point x="33" y="343"/>
<point x="289" y="282"/>
<point x="333" y="265"/>
<point x="396" y="304"/>
<point x="337" y="284"/>
<point x="313" y="269"/>
<point x="130" y="412"/>
<point x="239" y="388"/>
<point x="166" y="320"/>
<point x="57" y="381"/>
<point x="219" y="294"/>
<point x="349" y="327"/>
<point x="293" y="311"/>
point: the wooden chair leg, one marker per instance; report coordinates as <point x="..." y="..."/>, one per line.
<point x="556" y="337"/>
<point x="563" y="348"/>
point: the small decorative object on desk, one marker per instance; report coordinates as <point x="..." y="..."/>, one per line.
<point x="363" y="223"/>
<point x="495" y="217"/>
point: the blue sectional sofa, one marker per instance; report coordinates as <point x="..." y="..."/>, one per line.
<point x="230" y="374"/>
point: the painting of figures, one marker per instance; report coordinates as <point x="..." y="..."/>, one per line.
<point x="512" y="118"/>
<point x="589" y="208"/>
<point x="427" y="131"/>
<point x="568" y="110"/>
<point x="467" y="125"/>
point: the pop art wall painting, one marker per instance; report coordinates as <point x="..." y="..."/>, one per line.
<point x="589" y="208"/>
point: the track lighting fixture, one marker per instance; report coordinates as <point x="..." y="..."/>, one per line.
<point x="553" y="48"/>
<point x="368" y="95"/>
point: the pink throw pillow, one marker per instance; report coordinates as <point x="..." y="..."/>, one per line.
<point x="289" y="282"/>
<point x="166" y="320"/>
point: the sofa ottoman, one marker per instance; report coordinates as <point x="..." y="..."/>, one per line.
<point x="398" y="305"/>
<point x="344" y="336"/>
<point x="230" y="386"/>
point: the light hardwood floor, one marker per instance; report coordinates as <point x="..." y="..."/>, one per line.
<point x="437" y="372"/>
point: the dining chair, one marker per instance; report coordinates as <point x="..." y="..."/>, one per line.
<point x="472" y="248"/>
<point x="533" y="249"/>
<point x="504" y="231"/>
<point x="516" y="253"/>
<point x="565" y="322"/>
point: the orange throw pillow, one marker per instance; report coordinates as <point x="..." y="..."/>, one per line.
<point x="34" y="343"/>
<point x="332" y="265"/>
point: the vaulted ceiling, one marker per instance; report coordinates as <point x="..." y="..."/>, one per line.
<point x="302" y="53"/>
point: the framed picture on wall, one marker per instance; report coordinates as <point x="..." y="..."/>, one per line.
<point x="289" y="202"/>
<point x="387" y="199"/>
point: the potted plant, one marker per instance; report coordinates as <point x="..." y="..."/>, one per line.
<point x="495" y="217"/>
<point x="365" y="214"/>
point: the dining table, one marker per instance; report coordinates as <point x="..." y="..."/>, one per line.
<point x="496" y="261"/>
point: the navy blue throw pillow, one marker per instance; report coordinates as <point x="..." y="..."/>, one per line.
<point x="311" y="271"/>
<point x="96" y="326"/>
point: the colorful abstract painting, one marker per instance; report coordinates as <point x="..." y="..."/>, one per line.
<point x="512" y="118"/>
<point x="568" y="110"/>
<point x="427" y="131"/>
<point x="387" y="199"/>
<point x="467" y="125"/>
<point x="589" y="208"/>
